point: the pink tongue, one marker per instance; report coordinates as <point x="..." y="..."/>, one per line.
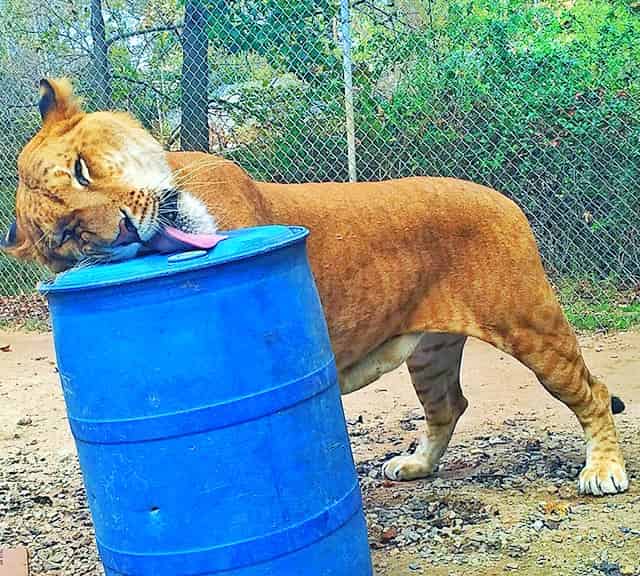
<point x="173" y="240"/>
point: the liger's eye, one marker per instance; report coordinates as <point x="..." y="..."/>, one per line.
<point x="81" y="172"/>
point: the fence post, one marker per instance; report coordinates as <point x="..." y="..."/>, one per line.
<point x="345" y="25"/>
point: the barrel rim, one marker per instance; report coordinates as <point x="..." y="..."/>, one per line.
<point x="283" y="236"/>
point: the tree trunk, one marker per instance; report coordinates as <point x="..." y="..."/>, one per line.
<point x="101" y="68"/>
<point x="194" y="133"/>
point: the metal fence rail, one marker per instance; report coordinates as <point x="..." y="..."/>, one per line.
<point x="540" y="100"/>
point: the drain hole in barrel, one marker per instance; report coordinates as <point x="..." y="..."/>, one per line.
<point x="154" y="510"/>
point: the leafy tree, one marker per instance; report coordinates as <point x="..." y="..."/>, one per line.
<point x="292" y="36"/>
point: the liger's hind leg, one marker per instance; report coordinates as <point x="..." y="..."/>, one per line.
<point x="548" y="345"/>
<point x="435" y="372"/>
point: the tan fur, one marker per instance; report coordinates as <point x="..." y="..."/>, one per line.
<point x="49" y="200"/>
<point x="392" y="260"/>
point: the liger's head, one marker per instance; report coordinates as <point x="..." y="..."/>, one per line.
<point x="97" y="187"/>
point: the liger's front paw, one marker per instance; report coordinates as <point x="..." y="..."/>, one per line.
<point x="407" y="467"/>
<point x="601" y="477"/>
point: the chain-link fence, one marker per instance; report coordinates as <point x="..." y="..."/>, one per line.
<point x="540" y="100"/>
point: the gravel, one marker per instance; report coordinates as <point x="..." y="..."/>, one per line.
<point x="42" y="507"/>
<point x="27" y="310"/>
<point x="506" y="500"/>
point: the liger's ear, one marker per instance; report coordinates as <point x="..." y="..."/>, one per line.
<point x="10" y="238"/>
<point x="13" y="244"/>
<point x="57" y="101"/>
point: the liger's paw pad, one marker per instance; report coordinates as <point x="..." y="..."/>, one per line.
<point x="602" y="478"/>
<point x="407" y="468"/>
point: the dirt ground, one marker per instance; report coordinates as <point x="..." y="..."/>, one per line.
<point x="504" y="500"/>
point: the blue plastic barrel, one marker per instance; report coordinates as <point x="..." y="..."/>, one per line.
<point x="202" y="395"/>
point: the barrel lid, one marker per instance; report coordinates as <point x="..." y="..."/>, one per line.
<point x="238" y="245"/>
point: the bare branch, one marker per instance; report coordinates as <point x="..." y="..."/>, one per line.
<point x="144" y="31"/>
<point x="20" y="106"/>
<point x="220" y="104"/>
<point x="143" y="84"/>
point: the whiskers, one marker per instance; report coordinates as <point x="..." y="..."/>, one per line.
<point x="44" y="241"/>
<point x="166" y="191"/>
<point x="86" y="262"/>
<point x="92" y="260"/>
<point x="161" y="222"/>
<point x="187" y="176"/>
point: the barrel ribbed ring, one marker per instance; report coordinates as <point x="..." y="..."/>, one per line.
<point x="205" y="418"/>
<point x="238" y="554"/>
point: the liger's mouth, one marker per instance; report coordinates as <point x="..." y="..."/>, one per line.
<point x="169" y="238"/>
<point x="128" y="233"/>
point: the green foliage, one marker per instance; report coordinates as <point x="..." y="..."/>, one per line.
<point x="291" y="35"/>
<point x="596" y="305"/>
<point x="544" y="105"/>
<point x="540" y="100"/>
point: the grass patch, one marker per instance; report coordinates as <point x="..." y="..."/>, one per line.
<point x="604" y="316"/>
<point x="599" y="306"/>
